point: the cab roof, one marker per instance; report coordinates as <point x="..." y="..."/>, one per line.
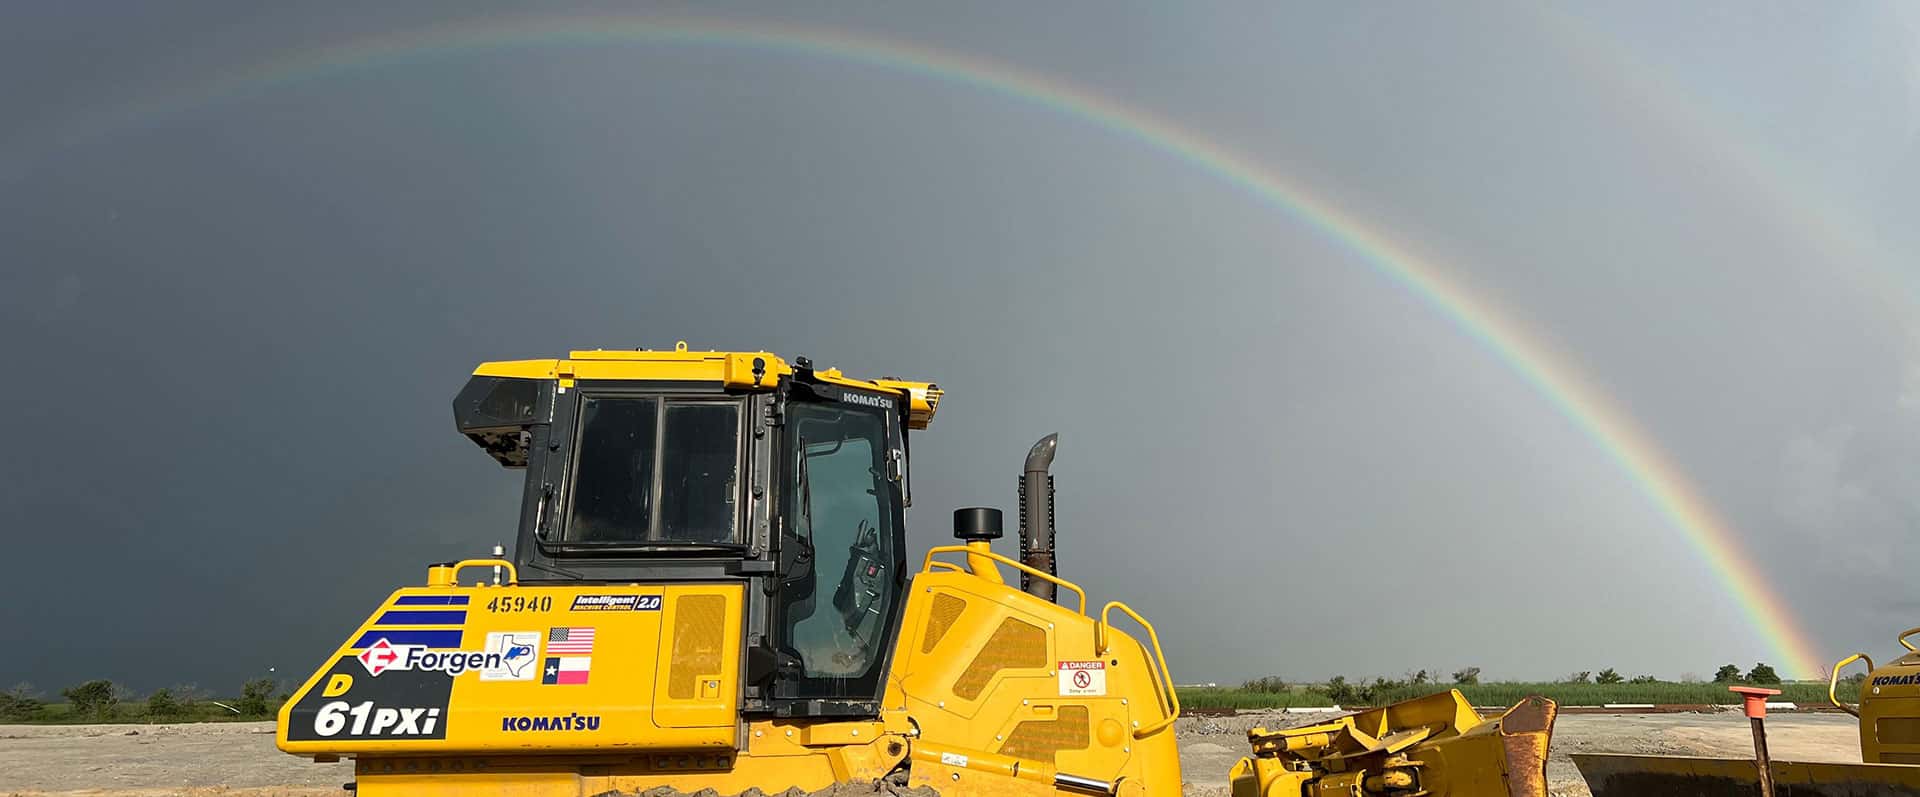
<point x="755" y="370"/>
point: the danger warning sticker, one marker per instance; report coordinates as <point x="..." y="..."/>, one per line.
<point x="1083" y="678"/>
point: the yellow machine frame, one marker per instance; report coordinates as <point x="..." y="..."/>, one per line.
<point x="1888" y="705"/>
<point x="993" y="722"/>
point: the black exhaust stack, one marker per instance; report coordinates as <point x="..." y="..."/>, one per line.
<point x="1036" y="518"/>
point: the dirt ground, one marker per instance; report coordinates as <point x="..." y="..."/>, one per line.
<point x="239" y="759"/>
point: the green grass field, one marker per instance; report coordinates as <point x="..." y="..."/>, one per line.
<point x="1505" y="694"/>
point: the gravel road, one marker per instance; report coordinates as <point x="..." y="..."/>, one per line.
<point x="239" y="760"/>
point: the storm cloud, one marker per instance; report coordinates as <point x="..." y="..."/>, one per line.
<point x="248" y="254"/>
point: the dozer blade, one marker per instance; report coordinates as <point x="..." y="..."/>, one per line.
<point x="1435" y="746"/>
<point x="1611" y="775"/>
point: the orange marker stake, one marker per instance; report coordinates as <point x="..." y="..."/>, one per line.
<point x="1755" y="703"/>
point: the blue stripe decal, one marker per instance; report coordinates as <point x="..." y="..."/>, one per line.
<point x="433" y="639"/>
<point x="431" y="600"/>
<point x="423" y="617"/>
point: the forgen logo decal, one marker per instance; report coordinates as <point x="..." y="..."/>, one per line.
<point x="509" y="656"/>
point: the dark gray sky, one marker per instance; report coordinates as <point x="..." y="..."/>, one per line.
<point x="236" y="297"/>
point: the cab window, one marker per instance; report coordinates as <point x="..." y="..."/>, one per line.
<point x="842" y="512"/>
<point x="649" y="470"/>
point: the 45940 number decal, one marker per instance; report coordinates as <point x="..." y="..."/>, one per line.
<point x="520" y="603"/>
<point x="366" y="721"/>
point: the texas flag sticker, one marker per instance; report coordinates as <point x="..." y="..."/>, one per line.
<point x="566" y="670"/>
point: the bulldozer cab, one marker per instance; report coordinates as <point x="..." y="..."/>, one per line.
<point x="678" y="467"/>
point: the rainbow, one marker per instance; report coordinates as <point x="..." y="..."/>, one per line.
<point x="1766" y="178"/>
<point x="1549" y="374"/>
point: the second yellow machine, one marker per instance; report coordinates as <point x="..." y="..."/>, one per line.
<point x="710" y="590"/>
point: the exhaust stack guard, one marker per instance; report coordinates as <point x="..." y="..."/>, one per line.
<point x="1036" y="518"/>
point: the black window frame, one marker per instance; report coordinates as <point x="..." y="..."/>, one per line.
<point x="556" y="544"/>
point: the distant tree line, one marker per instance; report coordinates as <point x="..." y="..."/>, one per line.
<point x="102" y="700"/>
<point x="1760" y="674"/>
<point x="1360" y="692"/>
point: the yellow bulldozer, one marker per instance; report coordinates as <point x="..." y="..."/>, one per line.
<point x="709" y="589"/>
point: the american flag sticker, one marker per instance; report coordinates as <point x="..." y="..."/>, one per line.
<point x="577" y="640"/>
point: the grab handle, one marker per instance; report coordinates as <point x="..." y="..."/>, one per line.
<point x="1833" y="678"/>
<point x="446" y="574"/>
<point x="928" y="565"/>
<point x="1170" y="701"/>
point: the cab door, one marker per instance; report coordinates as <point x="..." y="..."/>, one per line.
<point x="842" y="563"/>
